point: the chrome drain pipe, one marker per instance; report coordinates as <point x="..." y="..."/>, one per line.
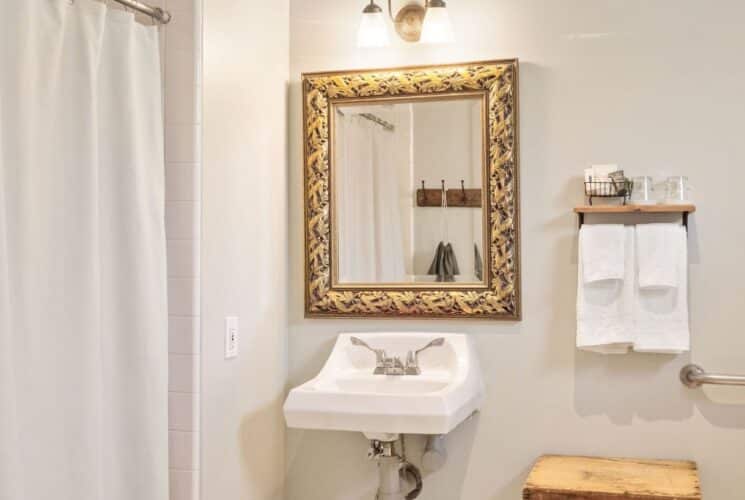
<point x="393" y="471"/>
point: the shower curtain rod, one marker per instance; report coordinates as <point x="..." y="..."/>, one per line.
<point x="156" y="13"/>
<point x="373" y="118"/>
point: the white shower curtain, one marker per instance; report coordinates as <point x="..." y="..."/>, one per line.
<point x="83" y="343"/>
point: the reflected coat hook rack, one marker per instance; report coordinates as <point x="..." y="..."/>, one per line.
<point x="468" y="198"/>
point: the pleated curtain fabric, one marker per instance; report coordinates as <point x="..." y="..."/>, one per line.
<point x="83" y="309"/>
<point x="371" y="247"/>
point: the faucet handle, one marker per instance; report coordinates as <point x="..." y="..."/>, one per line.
<point x="412" y="357"/>
<point x="433" y="343"/>
<point x="380" y="355"/>
<point x="359" y="342"/>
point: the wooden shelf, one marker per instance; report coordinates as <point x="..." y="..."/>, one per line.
<point x="632" y="209"/>
<point x="685" y="210"/>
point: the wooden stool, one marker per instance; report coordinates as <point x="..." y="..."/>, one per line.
<point x="585" y="478"/>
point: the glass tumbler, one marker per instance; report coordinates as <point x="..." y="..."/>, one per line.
<point x="642" y="192"/>
<point x="677" y="190"/>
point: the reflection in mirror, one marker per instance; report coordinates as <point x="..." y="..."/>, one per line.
<point x="382" y="152"/>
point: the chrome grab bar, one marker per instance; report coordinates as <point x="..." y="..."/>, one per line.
<point x="694" y="376"/>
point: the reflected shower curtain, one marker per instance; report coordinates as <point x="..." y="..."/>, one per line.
<point x="370" y="236"/>
<point x="83" y="343"/>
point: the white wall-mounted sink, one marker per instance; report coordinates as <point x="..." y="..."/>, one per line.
<point x="347" y="396"/>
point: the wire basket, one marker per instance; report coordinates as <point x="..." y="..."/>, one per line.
<point x="609" y="189"/>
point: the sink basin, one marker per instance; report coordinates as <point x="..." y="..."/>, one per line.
<point x="347" y="396"/>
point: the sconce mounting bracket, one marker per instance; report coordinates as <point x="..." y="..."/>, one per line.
<point x="409" y="21"/>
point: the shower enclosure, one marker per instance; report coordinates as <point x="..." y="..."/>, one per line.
<point x="83" y="308"/>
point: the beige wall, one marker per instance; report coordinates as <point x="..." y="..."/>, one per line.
<point x="244" y="247"/>
<point x="655" y="85"/>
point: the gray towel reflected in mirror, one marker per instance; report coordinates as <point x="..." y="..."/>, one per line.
<point x="478" y="263"/>
<point x="444" y="265"/>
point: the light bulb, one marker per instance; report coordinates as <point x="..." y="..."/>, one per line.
<point x="437" y="26"/>
<point x="373" y="31"/>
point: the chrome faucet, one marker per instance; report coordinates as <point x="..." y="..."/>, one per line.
<point x="385" y="365"/>
<point x="380" y="356"/>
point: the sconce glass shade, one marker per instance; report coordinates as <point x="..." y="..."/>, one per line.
<point x="373" y="31"/>
<point x="437" y="26"/>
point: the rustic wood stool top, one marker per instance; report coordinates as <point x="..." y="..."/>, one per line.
<point x="557" y="477"/>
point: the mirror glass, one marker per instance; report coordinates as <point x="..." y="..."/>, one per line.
<point x="387" y="229"/>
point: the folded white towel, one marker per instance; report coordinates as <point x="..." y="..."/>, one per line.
<point x="604" y="308"/>
<point x="661" y="313"/>
<point x="602" y="250"/>
<point x="657" y="249"/>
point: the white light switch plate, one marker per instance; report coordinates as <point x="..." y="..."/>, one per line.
<point x="231" y="337"/>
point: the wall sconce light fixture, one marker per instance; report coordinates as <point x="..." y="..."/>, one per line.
<point x="373" y="32"/>
<point x="428" y="23"/>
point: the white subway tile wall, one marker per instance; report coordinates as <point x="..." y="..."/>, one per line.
<point x="183" y="258"/>
<point x="181" y="182"/>
<point x="181" y="46"/>
<point x="183" y="373"/>
<point x="183" y="450"/>
<point x="184" y="484"/>
<point x="183" y="297"/>
<point x="183" y="411"/>
<point x="183" y="335"/>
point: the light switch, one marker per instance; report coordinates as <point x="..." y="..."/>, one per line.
<point x="231" y="337"/>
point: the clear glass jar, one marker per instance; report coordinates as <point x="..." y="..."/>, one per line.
<point x="677" y="190"/>
<point x="642" y="191"/>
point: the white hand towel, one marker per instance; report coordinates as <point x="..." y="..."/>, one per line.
<point x="661" y="314"/>
<point x="657" y="249"/>
<point x="604" y="308"/>
<point x="602" y="252"/>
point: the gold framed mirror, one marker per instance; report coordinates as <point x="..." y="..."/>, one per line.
<point x="412" y="192"/>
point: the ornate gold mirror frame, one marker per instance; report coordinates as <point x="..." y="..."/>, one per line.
<point x="500" y="298"/>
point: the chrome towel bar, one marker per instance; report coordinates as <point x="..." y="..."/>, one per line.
<point x="694" y="376"/>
